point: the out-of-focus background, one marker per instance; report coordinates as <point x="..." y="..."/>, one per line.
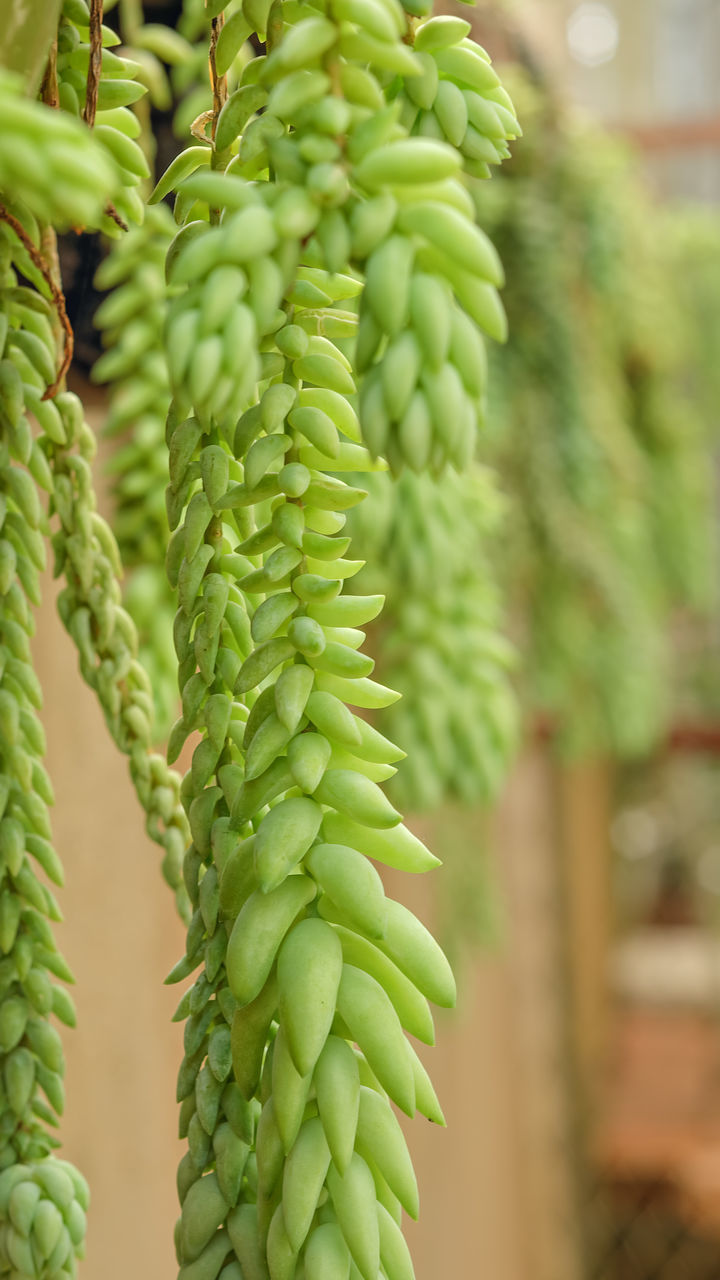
<point x="567" y="775"/>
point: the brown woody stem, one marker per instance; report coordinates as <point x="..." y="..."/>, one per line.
<point x="95" y="64"/>
<point x="218" y="83"/>
<point x="111" y="212"/>
<point x="57" y="295"/>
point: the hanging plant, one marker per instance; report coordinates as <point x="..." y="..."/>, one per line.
<point x="326" y="284"/>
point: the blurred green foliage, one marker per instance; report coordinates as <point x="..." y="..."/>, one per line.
<point x="601" y="426"/>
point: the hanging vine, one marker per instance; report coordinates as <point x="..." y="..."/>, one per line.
<point x="309" y="214"/>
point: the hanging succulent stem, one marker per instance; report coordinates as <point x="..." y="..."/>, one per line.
<point x="315" y="218"/>
<point x="42" y="1200"/>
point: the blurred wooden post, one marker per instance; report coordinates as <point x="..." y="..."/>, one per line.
<point x="469" y="1174"/>
<point x="584" y="812"/>
<point x="498" y="1191"/>
<point x="527" y="835"/>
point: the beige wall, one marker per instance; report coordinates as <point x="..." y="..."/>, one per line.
<point x="121" y="937"/>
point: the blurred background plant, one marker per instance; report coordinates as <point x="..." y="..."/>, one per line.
<point x="599" y="429"/>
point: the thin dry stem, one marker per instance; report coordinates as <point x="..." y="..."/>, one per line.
<point x="111" y="212"/>
<point x="95" y="65"/>
<point x="57" y="294"/>
<point x="218" y="83"/>
<point x="49" y="86"/>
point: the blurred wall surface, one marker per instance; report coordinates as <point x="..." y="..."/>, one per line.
<point x="120" y="936"/>
<point x="650" y="68"/>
